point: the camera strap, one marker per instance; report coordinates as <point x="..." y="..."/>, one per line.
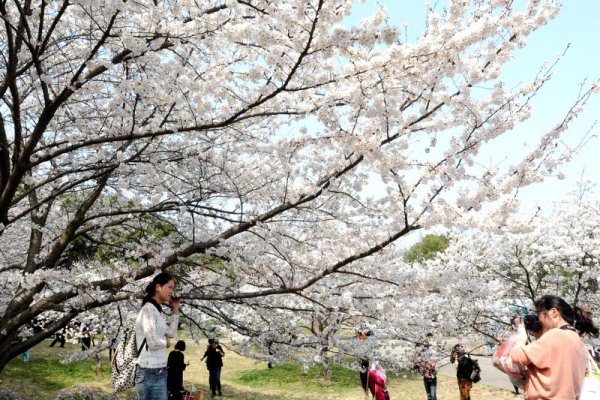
<point x="568" y="327"/>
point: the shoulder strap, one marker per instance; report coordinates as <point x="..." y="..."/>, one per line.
<point x="134" y="331"/>
<point x="142" y="346"/>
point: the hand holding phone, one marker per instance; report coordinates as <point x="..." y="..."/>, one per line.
<point x="175" y="304"/>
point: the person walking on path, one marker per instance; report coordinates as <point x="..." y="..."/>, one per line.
<point x="153" y="333"/>
<point x="555" y="362"/>
<point x="176" y="365"/>
<point x="214" y="362"/>
<point x="464" y="366"/>
<point x="425" y="362"/>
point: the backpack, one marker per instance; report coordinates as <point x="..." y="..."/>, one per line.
<point x="124" y="362"/>
<point x="475" y="372"/>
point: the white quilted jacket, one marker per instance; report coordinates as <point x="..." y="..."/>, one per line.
<point x="155" y="327"/>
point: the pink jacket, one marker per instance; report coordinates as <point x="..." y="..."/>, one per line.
<point x="556" y="363"/>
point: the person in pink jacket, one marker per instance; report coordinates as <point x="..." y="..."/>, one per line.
<point x="377" y="381"/>
<point x="555" y="362"/>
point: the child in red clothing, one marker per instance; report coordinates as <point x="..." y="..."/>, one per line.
<point x="377" y="381"/>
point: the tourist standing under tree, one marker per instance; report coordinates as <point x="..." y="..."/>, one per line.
<point x="25" y="333"/>
<point x="86" y="338"/>
<point x="363" y="363"/>
<point x="214" y="362"/>
<point x="59" y="337"/>
<point x="464" y="366"/>
<point x="557" y="360"/>
<point x="425" y="362"/>
<point x="153" y="332"/>
<point x="176" y="365"/>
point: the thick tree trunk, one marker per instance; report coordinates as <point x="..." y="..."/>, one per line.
<point x="325" y="370"/>
<point x="11" y="346"/>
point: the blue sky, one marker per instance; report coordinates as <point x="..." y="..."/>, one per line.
<point x="578" y="24"/>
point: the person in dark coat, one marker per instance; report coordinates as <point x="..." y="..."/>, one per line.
<point x="175" y="366"/>
<point x="363" y="363"/>
<point x="464" y="366"/>
<point x="86" y="339"/>
<point x="59" y="337"/>
<point x="214" y="362"/>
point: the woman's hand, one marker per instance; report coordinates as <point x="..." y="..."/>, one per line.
<point x="522" y="334"/>
<point x="175" y="304"/>
<point x="521" y="341"/>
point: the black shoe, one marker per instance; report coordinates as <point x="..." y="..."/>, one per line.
<point x="220" y="394"/>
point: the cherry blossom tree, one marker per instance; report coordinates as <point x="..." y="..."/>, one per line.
<point x="232" y="143"/>
<point x="487" y="269"/>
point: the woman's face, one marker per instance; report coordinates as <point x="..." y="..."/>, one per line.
<point x="548" y="318"/>
<point x="164" y="293"/>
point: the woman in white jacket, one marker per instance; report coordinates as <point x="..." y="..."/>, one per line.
<point x="154" y="332"/>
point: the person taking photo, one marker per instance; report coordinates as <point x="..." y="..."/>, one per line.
<point x="557" y="360"/>
<point x="214" y="362"/>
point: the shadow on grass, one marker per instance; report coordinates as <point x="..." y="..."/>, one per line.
<point x="44" y="376"/>
<point x="39" y="374"/>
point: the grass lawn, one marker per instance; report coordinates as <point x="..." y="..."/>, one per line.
<point x="243" y="379"/>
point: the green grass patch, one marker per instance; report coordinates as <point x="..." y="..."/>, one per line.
<point x="40" y="372"/>
<point x="291" y="374"/>
<point x="44" y="375"/>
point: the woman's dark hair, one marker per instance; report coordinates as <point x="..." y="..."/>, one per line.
<point x="161" y="279"/>
<point x="579" y="318"/>
<point x="584" y="322"/>
<point x="456" y="350"/>
<point x="180" y="345"/>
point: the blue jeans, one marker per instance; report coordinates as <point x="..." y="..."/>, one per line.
<point x="151" y="383"/>
<point x="214" y="379"/>
<point x="430" y="388"/>
<point x="25" y="356"/>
